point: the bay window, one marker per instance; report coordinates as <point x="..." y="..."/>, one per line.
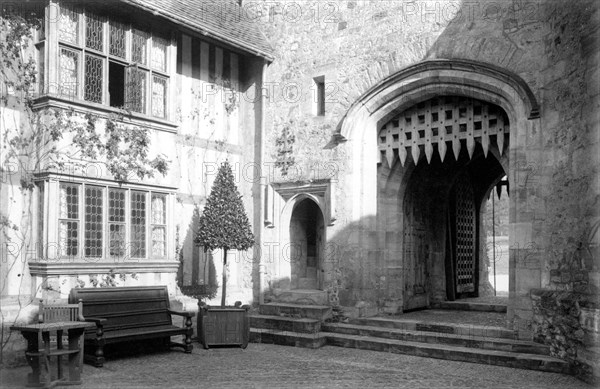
<point x="107" y="61"/>
<point x="102" y="222"/>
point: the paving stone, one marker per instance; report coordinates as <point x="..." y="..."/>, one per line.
<point x="272" y="366"/>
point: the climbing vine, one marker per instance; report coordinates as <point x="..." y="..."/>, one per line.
<point x="35" y="140"/>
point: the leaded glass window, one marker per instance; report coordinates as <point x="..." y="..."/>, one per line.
<point x="113" y="222"/>
<point x="110" y="62"/>
<point x="159" y="53"/>
<point x="159" y="228"/>
<point x="68" y="25"/>
<point x="138" y="224"/>
<point x="94" y="32"/>
<point x="136" y="89"/>
<point x="118" y="40"/>
<point x="159" y="96"/>
<point x="68" y="225"/>
<point x="139" y="46"/>
<point x="93" y="78"/>
<point x="94" y="205"/>
<point x="116" y="222"/>
<point x="69" y="64"/>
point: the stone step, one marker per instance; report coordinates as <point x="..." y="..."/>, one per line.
<point x="282" y="323"/>
<point x="300" y="296"/>
<point x="442" y="328"/>
<point x="287" y="338"/>
<point x="318" y="312"/>
<point x="450" y="352"/>
<point x="469" y="306"/>
<point x="307" y="283"/>
<point x="470" y="341"/>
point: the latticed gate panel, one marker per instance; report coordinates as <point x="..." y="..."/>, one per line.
<point x="441" y="123"/>
<point x="465" y="235"/>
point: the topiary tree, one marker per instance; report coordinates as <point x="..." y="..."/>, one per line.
<point x="224" y="223"/>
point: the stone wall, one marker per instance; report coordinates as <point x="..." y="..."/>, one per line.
<point x="569" y="323"/>
<point x="354" y="45"/>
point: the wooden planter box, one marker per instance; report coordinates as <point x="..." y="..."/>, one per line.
<point x="227" y="326"/>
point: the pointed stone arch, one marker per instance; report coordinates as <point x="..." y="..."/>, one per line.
<point x="358" y="132"/>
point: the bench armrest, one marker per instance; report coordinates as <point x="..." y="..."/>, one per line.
<point x="181" y="313"/>
<point x="97" y="320"/>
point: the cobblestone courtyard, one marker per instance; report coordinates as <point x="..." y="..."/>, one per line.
<point x="271" y="366"/>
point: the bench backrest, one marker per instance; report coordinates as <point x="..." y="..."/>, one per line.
<point x="125" y="307"/>
<point x="53" y="313"/>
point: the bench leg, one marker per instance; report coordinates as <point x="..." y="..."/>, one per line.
<point x="188" y="335"/>
<point x="98" y="358"/>
<point x="188" y="343"/>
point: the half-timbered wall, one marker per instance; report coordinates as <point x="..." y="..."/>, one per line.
<point x="211" y="105"/>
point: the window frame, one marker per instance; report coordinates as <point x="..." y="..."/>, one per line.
<point x="106" y="256"/>
<point x="51" y="45"/>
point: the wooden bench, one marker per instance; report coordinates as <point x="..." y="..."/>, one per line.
<point x="126" y="314"/>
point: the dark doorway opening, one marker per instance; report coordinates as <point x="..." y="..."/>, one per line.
<point x="306" y="239"/>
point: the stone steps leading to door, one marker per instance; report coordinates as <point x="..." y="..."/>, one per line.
<point x="287" y="338"/>
<point x="282" y="323"/>
<point x="479" y="342"/>
<point x="300" y="296"/>
<point x="450" y="352"/>
<point x="442" y="328"/>
<point x="319" y="312"/>
<point x="470" y="306"/>
<point x="306" y="326"/>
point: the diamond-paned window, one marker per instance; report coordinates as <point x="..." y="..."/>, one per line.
<point x="136" y="89"/>
<point x="116" y="222"/>
<point x="93" y="77"/>
<point x="68" y="25"/>
<point x="69" y="65"/>
<point x="139" y="46"/>
<point x="159" y="228"/>
<point x="159" y="96"/>
<point x="94" y="226"/>
<point x="101" y="222"/>
<point x="94" y="32"/>
<point x="105" y="61"/>
<point x="159" y="53"/>
<point x="118" y="39"/>
<point x="68" y="225"/>
<point x="138" y="224"/>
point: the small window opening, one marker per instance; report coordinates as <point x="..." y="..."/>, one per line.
<point x="319" y="95"/>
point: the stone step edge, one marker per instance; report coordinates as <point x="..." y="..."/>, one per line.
<point x="464" y="329"/>
<point x="470" y="307"/>
<point x="315" y="336"/>
<point x="331" y="336"/>
<point x="328" y="326"/>
<point x="306" y="320"/>
<point x="449" y="348"/>
<point x="292" y="305"/>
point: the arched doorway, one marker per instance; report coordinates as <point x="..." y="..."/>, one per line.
<point x="381" y="184"/>
<point x="307" y="229"/>
<point x="452" y="147"/>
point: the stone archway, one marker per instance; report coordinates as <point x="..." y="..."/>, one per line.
<point x="379" y="187"/>
<point x="307" y="230"/>
<point x="452" y="142"/>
